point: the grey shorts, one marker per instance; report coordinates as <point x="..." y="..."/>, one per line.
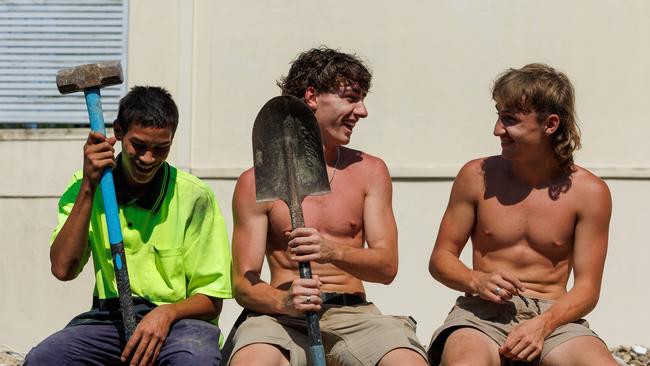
<point x="352" y="335"/>
<point x="497" y="320"/>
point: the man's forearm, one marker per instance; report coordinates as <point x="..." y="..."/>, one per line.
<point x="197" y="306"/>
<point x="452" y="272"/>
<point x="260" y="296"/>
<point x="575" y="304"/>
<point x="367" y="264"/>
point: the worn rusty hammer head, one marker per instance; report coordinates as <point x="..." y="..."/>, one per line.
<point x="88" y="76"/>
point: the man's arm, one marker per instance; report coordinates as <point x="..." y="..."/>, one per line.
<point x="249" y="247"/>
<point x="71" y="242"/>
<point x="590" y="248"/>
<point x="455" y="229"/>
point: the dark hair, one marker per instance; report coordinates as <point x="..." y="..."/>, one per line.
<point x="542" y="89"/>
<point x="148" y="106"/>
<point x="325" y="70"/>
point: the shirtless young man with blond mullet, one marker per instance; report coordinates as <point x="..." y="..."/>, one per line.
<point x="533" y="216"/>
<point x="338" y="224"/>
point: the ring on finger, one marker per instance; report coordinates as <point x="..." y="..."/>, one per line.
<point x="497" y="290"/>
<point x="308" y="300"/>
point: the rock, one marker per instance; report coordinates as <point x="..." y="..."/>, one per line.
<point x="9" y="357"/>
<point x="639" y="350"/>
<point x="636" y="355"/>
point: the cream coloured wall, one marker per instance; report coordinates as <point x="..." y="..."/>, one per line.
<point x="430" y="111"/>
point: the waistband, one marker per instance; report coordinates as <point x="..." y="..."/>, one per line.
<point x="337" y="298"/>
<point x="113" y="304"/>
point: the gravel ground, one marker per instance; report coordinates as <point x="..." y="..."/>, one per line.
<point x="9" y="357"/>
<point x="631" y="355"/>
<point x="625" y="356"/>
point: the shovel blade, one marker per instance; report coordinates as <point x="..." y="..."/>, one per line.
<point x="288" y="152"/>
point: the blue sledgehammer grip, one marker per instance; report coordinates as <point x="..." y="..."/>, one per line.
<point x="94" y="104"/>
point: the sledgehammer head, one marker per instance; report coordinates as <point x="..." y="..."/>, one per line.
<point x="87" y="76"/>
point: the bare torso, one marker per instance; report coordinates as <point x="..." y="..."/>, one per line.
<point x="526" y="231"/>
<point x="338" y="216"/>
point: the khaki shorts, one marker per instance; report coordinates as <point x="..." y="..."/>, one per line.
<point x="352" y="335"/>
<point x="497" y="320"/>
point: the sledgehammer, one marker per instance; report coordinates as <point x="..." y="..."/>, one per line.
<point x="90" y="78"/>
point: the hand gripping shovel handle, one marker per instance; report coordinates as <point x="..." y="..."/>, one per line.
<point x="94" y="104"/>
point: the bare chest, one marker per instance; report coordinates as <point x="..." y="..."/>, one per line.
<point x="338" y="214"/>
<point x="537" y="221"/>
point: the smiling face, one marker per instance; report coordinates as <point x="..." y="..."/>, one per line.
<point x="523" y="136"/>
<point x="337" y="112"/>
<point x="144" y="150"/>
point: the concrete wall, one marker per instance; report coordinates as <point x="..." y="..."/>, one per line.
<point x="430" y="111"/>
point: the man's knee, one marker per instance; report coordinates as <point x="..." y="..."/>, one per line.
<point x="49" y="352"/>
<point x="469" y="346"/>
<point x="192" y="342"/>
<point x="260" y="354"/>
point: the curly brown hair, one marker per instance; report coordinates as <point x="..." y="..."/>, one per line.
<point x="325" y="70"/>
<point x="542" y="89"/>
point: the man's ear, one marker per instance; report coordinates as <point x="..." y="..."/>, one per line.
<point x="117" y="130"/>
<point x="551" y="124"/>
<point x="310" y="98"/>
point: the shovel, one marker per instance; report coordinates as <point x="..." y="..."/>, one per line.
<point x="289" y="165"/>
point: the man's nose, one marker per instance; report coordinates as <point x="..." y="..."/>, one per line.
<point x="147" y="157"/>
<point x="498" y="128"/>
<point x="360" y="110"/>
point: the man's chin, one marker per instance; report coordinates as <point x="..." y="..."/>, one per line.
<point x="143" y="178"/>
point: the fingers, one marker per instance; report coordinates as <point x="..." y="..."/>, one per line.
<point x="156" y="353"/>
<point x="513" y="282"/>
<point x="521" y="351"/>
<point x="300" y="232"/>
<point x="139" y="352"/>
<point x="304" y="294"/>
<point x="98" y="155"/>
<point x="500" y="286"/>
<point x="130" y="345"/>
<point x="304" y="248"/>
<point x="147" y="356"/>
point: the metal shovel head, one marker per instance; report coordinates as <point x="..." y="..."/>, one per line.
<point x="288" y="152"/>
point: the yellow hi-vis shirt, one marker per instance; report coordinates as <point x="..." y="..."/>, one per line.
<point x="175" y="239"/>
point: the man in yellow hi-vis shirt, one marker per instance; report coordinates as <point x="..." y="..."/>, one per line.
<point x="175" y="242"/>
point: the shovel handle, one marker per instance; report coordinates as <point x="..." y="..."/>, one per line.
<point x="94" y="105"/>
<point x="316" y="350"/>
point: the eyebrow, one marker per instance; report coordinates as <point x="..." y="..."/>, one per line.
<point x="138" y="141"/>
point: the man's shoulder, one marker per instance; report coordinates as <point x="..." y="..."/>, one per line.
<point x="71" y="190"/>
<point x="360" y="160"/>
<point x="190" y="184"/>
<point x="587" y="183"/>
<point x="479" y="167"/>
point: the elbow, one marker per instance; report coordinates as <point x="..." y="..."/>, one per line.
<point x="63" y="273"/>
<point x="433" y="268"/>
<point x="388" y="274"/>
<point x="240" y="291"/>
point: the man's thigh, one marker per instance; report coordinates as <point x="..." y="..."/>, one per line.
<point x="191" y="341"/>
<point x="361" y="335"/>
<point x="97" y="344"/>
<point x="469" y="346"/>
<point x="578" y="351"/>
<point x="289" y="342"/>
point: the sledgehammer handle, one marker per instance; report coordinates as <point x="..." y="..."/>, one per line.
<point x="94" y="104"/>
